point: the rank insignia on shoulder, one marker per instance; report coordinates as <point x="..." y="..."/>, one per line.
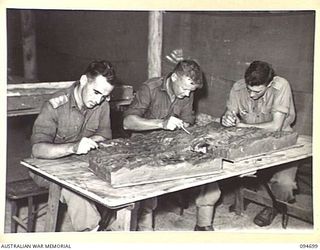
<point x="59" y="100"/>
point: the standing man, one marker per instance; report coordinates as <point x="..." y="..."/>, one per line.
<point x="167" y="103"/>
<point x="264" y="100"/>
<point x="73" y="121"/>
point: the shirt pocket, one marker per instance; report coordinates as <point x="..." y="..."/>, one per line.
<point x="67" y="134"/>
<point x="266" y="114"/>
<point x="91" y="128"/>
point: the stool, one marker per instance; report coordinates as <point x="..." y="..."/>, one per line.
<point x="16" y="191"/>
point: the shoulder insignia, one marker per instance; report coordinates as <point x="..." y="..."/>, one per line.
<point x="59" y="100"/>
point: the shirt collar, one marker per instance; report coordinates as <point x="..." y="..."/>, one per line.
<point x="165" y="86"/>
<point x="72" y="98"/>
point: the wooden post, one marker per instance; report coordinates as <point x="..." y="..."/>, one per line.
<point x="127" y="218"/>
<point x="155" y="44"/>
<point x="29" y="45"/>
<point x="53" y="207"/>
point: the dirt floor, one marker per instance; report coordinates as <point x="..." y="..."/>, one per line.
<point x="168" y="218"/>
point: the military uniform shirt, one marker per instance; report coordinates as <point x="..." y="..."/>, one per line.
<point x="277" y="98"/>
<point x="61" y="121"/>
<point x="152" y="101"/>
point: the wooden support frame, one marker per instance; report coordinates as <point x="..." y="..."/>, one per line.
<point x="29" y="45"/>
<point x="155" y="44"/>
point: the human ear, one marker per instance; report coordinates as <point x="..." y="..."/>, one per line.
<point x="174" y="77"/>
<point x="83" y="80"/>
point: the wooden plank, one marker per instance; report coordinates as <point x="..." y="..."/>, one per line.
<point x="121" y="92"/>
<point x="20" y="222"/>
<point x="42" y="85"/>
<point x="155" y="44"/>
<point x="28" y="98"/>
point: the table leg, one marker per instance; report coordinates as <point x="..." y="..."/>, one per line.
<point x="127" y="218"/>
<point x="239" y="207"/>
<point x="30" y="222"/>
<point x="14" y="210"/>
<point x="53" y="207"/>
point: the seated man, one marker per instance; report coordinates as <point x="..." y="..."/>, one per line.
<point x="264" y="100"/>
<point x="167" y="103"/>
<point x="73" y="121"/>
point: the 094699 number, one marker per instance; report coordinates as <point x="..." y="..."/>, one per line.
<point x="314" y="246"/>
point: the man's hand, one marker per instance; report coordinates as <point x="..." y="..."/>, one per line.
<point x="85" y="145"/>
<point x="230" y="119"/>
<point x="172" y="123"/>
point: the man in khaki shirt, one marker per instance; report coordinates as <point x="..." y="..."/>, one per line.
<point x="264" y="100"/>
<point x="73" y="121"/>
<point x="167" y="103"/>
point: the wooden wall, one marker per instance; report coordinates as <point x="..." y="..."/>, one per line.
<point x="224" y="43"/>
<point x="68" y="40"/>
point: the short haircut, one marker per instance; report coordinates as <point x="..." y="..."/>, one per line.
<point x="103" y="68"/>
<point x="190" y="68"/>
<point x="259" y="73"/>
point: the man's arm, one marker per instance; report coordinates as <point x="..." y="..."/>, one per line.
<point x="133" y="117"/>
<point x="47" y="150"/>
<point x="44" y="131"/>
<point x="137" y="123"/>
<point x="274" y="125"/>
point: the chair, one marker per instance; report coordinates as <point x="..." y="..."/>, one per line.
<point x="20" y="190"/>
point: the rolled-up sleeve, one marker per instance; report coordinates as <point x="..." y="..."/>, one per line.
<point x="283" y="97"/>
<point x="140" y="103"/>
<point x="45" y="126"/>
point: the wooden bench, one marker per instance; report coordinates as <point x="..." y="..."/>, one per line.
<point x="16" y="192"/>
<point x="298" y="210"/>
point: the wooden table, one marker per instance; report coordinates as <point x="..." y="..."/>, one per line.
<point x="72" y="173"/>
